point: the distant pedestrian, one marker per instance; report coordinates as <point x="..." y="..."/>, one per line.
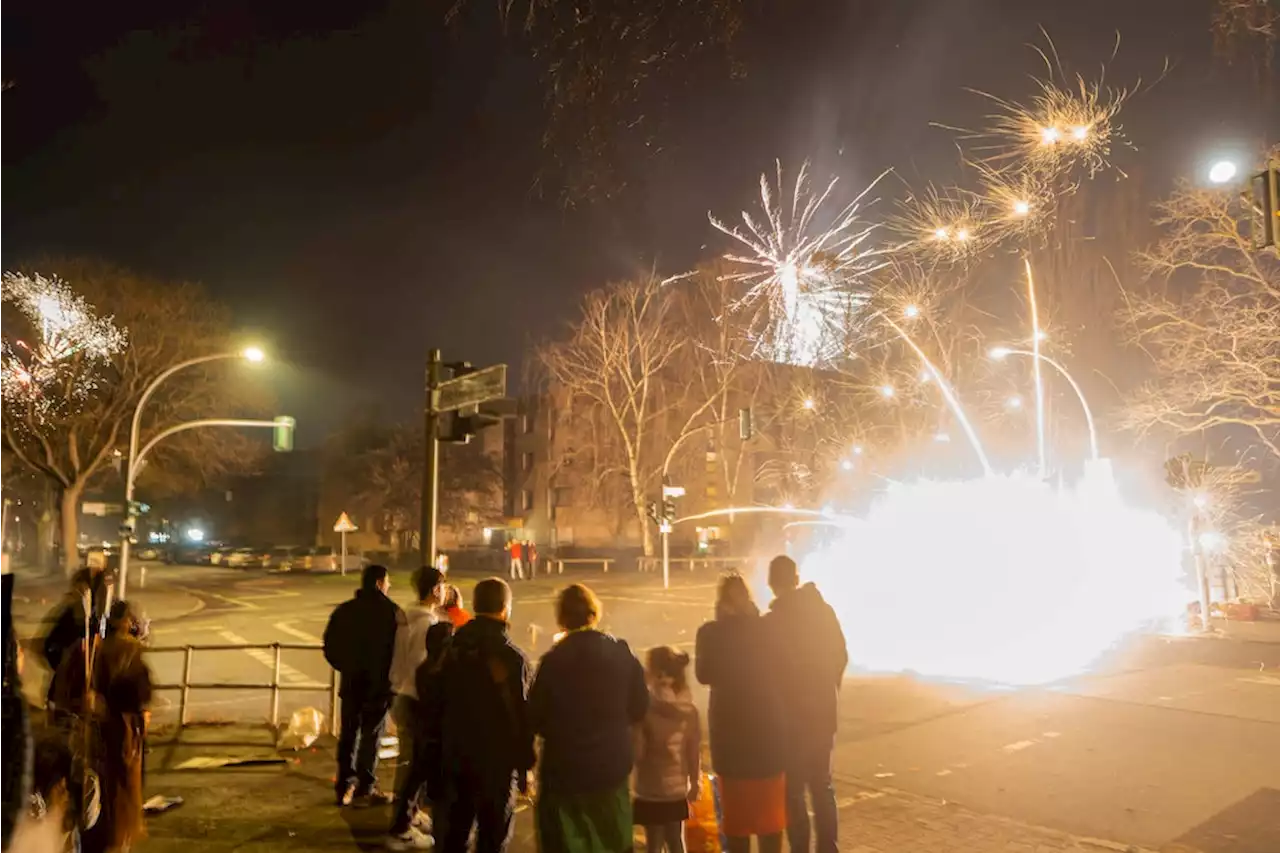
<point x="531" y="557"/>
<point x="360" y="642"/>
<point x="810" y="682"/>
<point x="668" y="753"/>
<point x="487" y="743"/>
<point x="453" y="607"/>
<point x="517" y="567"/>
<point x="122" y="685"/>
<point x="588" y="694"/>
<point x="738" y="659"/>
<point x="407" y="828"/>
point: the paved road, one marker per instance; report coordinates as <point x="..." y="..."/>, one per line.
<point x="1170" y="740"/>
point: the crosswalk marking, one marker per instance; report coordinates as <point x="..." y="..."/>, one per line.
<point x="267" y="659"/>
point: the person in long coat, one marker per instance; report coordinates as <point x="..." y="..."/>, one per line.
<point x="738" y="659"/>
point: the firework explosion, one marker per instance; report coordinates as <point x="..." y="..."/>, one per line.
<point x="63" y="328"/>
<point x="802" y="279"/>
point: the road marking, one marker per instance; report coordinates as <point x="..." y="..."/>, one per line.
<point x="1018" y="745"/>
<point x="287" y="628"/>
<point x="1261" y="679"/>
<point x="267" y="658"/>
<point x="943" y="773"/>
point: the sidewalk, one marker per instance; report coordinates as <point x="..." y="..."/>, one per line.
<point x="290" y="807"/>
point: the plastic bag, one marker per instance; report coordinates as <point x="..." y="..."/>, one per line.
<point x="304" y="729"/>
<point x="702" y="829"/>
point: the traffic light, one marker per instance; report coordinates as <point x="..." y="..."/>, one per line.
<point x="652" y="510"/>
<point x="466" y="422"/>
<point x="1264" y="200"/>
<point x="282" y="434"/>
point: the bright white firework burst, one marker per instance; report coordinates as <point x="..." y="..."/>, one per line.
<point x="802" y="276"/>
<point x="62" y="326"/>
<point x="1002" y="578"/>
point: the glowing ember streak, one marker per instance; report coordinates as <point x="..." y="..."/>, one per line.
<point x="948" y="394"/>
<point x="1035" y="350"/>
<point x="803" y="279"/>
<point x="1001" y="578"/>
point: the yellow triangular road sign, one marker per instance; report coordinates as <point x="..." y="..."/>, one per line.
<point x="344" y="525"/>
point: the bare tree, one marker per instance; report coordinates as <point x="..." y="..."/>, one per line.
<point x="620" y="369"/>
<point x="77" y="427"/>
<point x="1211" y="323"/>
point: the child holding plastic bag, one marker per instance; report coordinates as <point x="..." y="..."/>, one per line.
<point x="668" y="753"/>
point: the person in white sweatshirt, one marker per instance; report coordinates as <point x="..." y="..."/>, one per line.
<point x="408" y="828"/>
<point x="668" y="753"/>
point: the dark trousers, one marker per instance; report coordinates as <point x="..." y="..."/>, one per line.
<point x="810" y="768"/>
<point x="421" y="779"/>
<point x="364" y="719"/>
<point x="486" y="800"/>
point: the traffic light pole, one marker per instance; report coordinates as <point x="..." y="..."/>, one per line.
<point x="431" y="468"/>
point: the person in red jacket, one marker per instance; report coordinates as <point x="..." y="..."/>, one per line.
<point x="517" y="569"/>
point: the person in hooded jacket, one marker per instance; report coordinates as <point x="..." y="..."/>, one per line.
<point x="589" y="692"/>
<point x="408" y="827"/>
<point x="360" y="642"/>
<point x="486" y="744"/>
<point x="810" y="684"/>
<point x="668" y="753"/>
<point x="739" y="659"/>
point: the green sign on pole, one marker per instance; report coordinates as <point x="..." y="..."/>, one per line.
<point x="282" y="435"/>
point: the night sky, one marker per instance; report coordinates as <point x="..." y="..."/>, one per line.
<point x="357" y="180"/>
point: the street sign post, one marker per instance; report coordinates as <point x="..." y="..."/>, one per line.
<point x="467" y="388"/>
<point x="344" y="526"/>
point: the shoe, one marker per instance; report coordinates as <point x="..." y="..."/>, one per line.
<point x="373" y="797"/>
<point x="422" y="821"/>
<point x="345" y="796"/>
<point x="410" y="839"/>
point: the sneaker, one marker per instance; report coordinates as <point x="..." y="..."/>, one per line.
<point x="345" y="796"/>
<point x="422" y="821"/>
<point x="410" y="839"/>
<point x="373" y="797"/>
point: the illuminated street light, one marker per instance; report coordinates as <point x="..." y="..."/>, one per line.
<point x="1222" y="171"/>
<point x="254" y="354"/>
<point x="195" y="534"/>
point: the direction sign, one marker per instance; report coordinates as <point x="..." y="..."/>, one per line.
<point x="344" y="525"/>
<point x="471" y="389"/>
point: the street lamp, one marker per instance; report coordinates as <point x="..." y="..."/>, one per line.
<point x="251" y="354"/>
<point x="1222" y="172"/>
<point x="1001" y="353"/>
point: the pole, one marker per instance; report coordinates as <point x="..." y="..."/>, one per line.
<point x="666" y="557"/>
<point x="343" y="565"/>
<point x="430" y="470"/>
<point x="1202" y="573"/>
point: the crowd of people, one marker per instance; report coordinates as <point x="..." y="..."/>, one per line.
<point x="614" y="744"/>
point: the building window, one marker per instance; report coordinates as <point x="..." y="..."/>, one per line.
<point x="526" y="500"/>
<point x="526" y="461"/>
<point x="526" y="423"/>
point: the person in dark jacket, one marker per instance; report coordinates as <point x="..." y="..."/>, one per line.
<point x="810" y="683"/>
<point x="359" y="643"/>
<point x="737" y="657"/>
<point x="486" y="742"/>
<point x="589" y="692"/>
<point x="67" y="632"/>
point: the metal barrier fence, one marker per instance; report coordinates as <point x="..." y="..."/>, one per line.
<point x="654" y="564"/>
<point x="187" y="685"/>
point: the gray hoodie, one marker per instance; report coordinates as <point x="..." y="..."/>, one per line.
<point x="668" y="744"/>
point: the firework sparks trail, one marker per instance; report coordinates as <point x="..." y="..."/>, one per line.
<point x="802" y="278"/>
<point x="1036" y="337"/>
<point x="64" y="326"/>
<point x="1001" y="578"/>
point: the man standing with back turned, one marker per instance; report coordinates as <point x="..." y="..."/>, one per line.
<point x="817" y="656"/>
<point x="359" y="643"/>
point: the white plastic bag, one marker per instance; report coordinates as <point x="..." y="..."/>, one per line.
<point x="304" y="729"/>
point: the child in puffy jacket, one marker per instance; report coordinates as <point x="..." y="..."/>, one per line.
<point x="668" y="753"/>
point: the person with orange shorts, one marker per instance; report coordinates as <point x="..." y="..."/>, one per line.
<point x="739" y="661"/>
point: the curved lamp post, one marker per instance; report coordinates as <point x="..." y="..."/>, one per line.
<point x="1000" y="353"/>
<point x="253" y="354"/>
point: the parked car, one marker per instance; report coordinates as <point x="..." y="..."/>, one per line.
<point x="280" y="558"/>
<point x="323" y="558"/>
<point x="218" y="556"/>
<point x="243" y="558"/>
